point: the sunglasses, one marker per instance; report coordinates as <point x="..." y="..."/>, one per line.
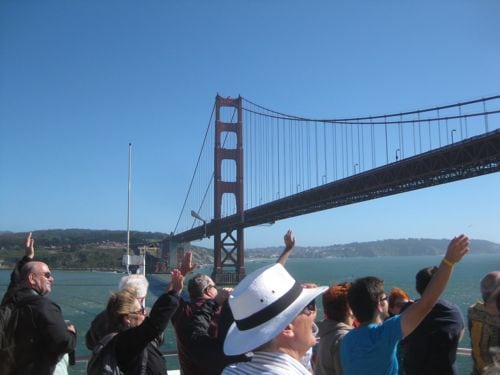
<point x="209" y="286"/>
<point x="47" y="275"/>
<point x="310" y="307"/>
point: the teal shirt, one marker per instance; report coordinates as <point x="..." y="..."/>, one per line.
<point x="372" y="349"/>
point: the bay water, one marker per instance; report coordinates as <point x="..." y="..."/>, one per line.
<point x="82" y="295"/>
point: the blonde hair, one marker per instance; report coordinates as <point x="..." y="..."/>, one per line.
<point x="119" y="304"/>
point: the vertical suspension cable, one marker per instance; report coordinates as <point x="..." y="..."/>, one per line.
<point x="284" y="159"/>
<point x="308" y="150"/>
<point x="359" y="149"/>
<point x="419" y="133"/>
<point x="362" y="148"/>
<point x="386" y="143"/>
<point x="343" y="150"/>
<point x="278" y="156"/>
<point x="461" y="127"/>
<point x="273" y="161"/>
<point x="334" y="150"/>
<point x="373" y="144"/>
<point x="401" y="136"/>
<point x="351" y="127"/>
<point x="430" y="135"/>
<point x="447" y="132"/>
<point x="324" y="152"/>
<point x="297" y="152"/>
<point x="347" y="169"/>
<point x="414" y="138"/>
<point x="291" y="157"/>
<point x="439" y="127"/>
<point x="486" y="127"/>
<point x="316" y="149"/>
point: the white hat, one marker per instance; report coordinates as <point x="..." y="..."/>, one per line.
<point x="263" y="304"/>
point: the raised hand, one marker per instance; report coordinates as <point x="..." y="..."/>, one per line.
<point x="289" y="244"/>
<point x="458" y="247"/>
<point x="186" y="265"/>
<point x="177" y="282"/>
<point x="223" y="295"/>
<point x="289" y="239"/>
<point x="29" y="246"/>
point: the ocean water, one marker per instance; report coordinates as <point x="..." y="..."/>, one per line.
<point x="82" y="295"/>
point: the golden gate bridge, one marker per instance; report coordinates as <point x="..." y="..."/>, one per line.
<point x="257" y="166"/>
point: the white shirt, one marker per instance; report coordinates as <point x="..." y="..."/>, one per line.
<point x="267" y="364"/>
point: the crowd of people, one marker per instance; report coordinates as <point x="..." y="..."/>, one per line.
<point x="267" y="324"/>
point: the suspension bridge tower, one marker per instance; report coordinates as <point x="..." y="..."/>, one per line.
<point x="229" y="258"/>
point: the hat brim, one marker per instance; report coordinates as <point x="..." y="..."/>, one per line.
<point x="239" y="342"/>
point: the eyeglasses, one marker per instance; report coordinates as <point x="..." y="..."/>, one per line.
<point x="141" y="311"/>
<point x="310" y="307"/>
<point x="47" y="275"/>
<point x="208" y="287"/>
<point x="383" y="299"/>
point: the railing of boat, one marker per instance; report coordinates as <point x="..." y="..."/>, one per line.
<point x="173" y="353"/>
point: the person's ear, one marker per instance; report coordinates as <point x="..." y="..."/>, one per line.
<point x="288" y="331"/>
<point x="126" y="320"/>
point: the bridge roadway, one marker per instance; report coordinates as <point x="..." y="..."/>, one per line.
<point x="469" y="158"/>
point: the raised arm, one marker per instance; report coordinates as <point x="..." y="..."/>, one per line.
<point x="414" y="314"/>
<point x="15" y="276"/>
<point x="289" y="240"/>
<point x="29" y="246"/>
<point x="177" y="281"/>
<point x="187" y="265"/>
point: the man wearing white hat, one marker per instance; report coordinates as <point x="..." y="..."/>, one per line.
<point x="274" y="319"/>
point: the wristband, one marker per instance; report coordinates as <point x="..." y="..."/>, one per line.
<point x="448" y="263"/>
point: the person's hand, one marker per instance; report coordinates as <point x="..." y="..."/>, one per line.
<point x="29" y="246"/>
<point x="71" y="328"/>
<point x="223" y="295"/>
<point x="289" y="239"/>
<point x="186" y="265"/>
<point x="458" y="247"/>
<point x="177" y="282"/>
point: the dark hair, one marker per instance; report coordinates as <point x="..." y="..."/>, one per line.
<point x="335" y="303"/>
<point x="423" y="278"/>
<point x="364" y="295"/>
<point x="498" y="303"/>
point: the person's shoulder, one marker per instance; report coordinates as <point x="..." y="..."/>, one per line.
<point x="27" y="296"/>
<point x="447" y="307"/>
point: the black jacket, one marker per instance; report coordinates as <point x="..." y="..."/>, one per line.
<point x="206" y="343"/>
<point x="130" y="344"/>
<point x="41" y="335"/>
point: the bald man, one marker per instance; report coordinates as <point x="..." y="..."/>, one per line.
<point x="42" y="336"/>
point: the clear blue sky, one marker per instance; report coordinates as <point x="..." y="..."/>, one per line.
<point x="81" y="79"/>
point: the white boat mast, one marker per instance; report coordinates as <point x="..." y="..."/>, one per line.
<point x="128" y="204"/>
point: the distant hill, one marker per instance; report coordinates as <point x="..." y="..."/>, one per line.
<point x="401" y="247"/>
<point x="103" y="249"/>
<point x="75" y="248"/>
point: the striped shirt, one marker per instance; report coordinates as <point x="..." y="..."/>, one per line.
<point x="267" y="364"/>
